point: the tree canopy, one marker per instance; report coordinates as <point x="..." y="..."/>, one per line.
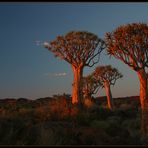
<point x="107" y="73"/>
<point x="90" y="85"/>
<point x="129" y="43"/>
<point x="77" y="48"/>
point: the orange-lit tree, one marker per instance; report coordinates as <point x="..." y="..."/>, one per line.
<point x="90" y="86"/>
<point x="107" y="76"/>
<point x="79" y="49"/>
<point x="129" y="43"/>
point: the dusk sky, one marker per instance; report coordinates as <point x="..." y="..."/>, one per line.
<point x="31" y="71"/>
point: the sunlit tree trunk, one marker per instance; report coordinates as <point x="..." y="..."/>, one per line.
<point x="109" y="95"/>
<point x="77" y="88"/>
<point x="144" y="101"/>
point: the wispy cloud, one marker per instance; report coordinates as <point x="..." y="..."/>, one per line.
<point x="38" y="43"/>
<point x="56" y="74"/>
<point x="60" y="74"/>
<point x="41" y="43"/>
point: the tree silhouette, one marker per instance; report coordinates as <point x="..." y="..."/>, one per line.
<point x="129" y="43"/>
<point x="90" y="86"/>
<point x="79" y="49"/>
<point x="107" y="76"/>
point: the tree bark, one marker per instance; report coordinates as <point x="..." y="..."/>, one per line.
<point x="77" y="85"/>
<point x="87" y="94"/>
<point x="144" y="101"/>
<point x="109" y="95"/>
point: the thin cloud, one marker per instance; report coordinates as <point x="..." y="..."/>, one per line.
<point x="56" y="74"/>
<point x="38" y="43"/>
<point x="46" y="44"/>
<point x="60" y="74"/>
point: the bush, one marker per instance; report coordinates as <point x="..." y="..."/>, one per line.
<point x="82" y="119"/>
<point x="135" y="137"/>
<point x="131" y="124"/>
<point x="104" y="113"/>
<point x="100" y="124"/>
<point x="144" y="140"/>
<point x="116" y="131"/>
<point x="42" y="113"/>
<point x="59" y="109"/>
<point x="114" y="120"/>
<point x="126" y="113"/>
<point x="12" y="131"/>
<point x="121" y="138"/>
<point x="88" y="103"/>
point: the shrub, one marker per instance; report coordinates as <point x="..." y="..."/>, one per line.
<point x="82" y="119"/>
<point x="118" y="133"/>
<point x="92" y="136"/>
<point x="42" y="113"/>
<point x="114" y="120"/>
<point x="132" y="124"/>
<point x="88" y="103"/>
<point x="126" y="113"/>
<point x="59" y="108"/>
<point x="13" y="130"/>
<point x="104" y="113"/>
<point x="99" y="124"/>
<point x="135" y="138"/>
<point x="144" y="140"/>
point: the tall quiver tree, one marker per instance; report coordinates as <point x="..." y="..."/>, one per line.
<point x="79" y="49"/>
<point x="107" y="76"/>
<point x="129" y="43"/>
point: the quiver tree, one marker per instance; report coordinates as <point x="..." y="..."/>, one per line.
<point x="107" y="76"/>
<point x="129" y="43"/>
<point x="79" y="49"/>
<point x="90" y="86"/>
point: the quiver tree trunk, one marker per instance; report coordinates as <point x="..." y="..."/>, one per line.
<point x="144" y="101"/>
<point x="77" y="85"/>
<point x="87" y="94"/>
<point x="109" y="95"/>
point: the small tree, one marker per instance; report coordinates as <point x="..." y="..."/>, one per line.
<point x="129" y="43"/>
<point x="107" y="77"/>
<point x="90" y="86"/>
<point x="79" y="49"/>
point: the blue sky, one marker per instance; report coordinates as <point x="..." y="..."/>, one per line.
<point x="31" y="71"/>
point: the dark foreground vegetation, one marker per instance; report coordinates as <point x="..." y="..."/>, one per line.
<point x="54" y="121"/>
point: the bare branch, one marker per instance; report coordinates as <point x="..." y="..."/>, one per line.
<point x="129" y="43"/>
<point x="91" y="57"/>
<point x="77" y="48"/>
<point x="90" y="85"/>
<point x="106" y="73"/>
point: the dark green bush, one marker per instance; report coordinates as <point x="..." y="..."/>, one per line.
<point x="82" y="119"/>
<point x="101" y="124"/>
<point x="126" y="113"/>
<point x="116" y="130"/>
<point x="54" y="121"/>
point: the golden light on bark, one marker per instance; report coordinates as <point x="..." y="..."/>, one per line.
<point x="107" y="76"/>
<point x="79" y="49"/>
<point x="129" y="43"/>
